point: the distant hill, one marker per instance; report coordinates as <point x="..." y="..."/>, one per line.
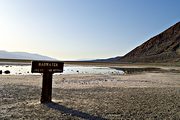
<point x="164" y="47"/>
<point x="23" y="55"/>
<point x="114" y="59"/>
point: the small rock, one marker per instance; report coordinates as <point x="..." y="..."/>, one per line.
<point x="7" y="72"/>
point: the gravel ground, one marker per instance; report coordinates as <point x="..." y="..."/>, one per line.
<point x="141" y="96"/>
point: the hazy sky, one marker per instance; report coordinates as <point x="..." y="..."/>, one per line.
<point x="83" y="29"/>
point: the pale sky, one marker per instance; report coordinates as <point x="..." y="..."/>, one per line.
<point x="83" y="29"/>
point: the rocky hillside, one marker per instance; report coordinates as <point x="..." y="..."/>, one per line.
<point x="164" y="47"/>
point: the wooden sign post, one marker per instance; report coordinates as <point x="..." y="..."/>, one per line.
<point x="47" y="68"/>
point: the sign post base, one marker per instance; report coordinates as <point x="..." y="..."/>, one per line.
<point x="46" y="94"/>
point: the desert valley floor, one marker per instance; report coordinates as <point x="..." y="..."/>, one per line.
<point x="145" y="95"/>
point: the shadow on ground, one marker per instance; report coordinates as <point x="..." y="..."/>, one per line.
<point x="72" y="112"/>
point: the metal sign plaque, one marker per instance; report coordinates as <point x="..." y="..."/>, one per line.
<point x="47" y="67"/>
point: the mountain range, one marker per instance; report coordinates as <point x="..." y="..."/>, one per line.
<point x="23" y="56"/>
<point x="164" y="47"/>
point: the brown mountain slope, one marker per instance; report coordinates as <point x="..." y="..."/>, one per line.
<point x="164" y="47"/>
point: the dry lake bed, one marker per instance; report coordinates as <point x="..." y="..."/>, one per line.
<point x="152" y="94"/>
